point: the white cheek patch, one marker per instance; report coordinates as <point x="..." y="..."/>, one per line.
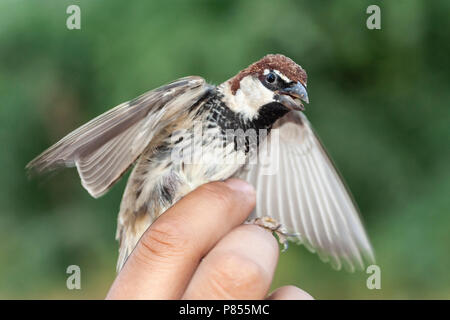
<point x="251" y="95"/>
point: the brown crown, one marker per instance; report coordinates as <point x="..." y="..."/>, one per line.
<point x="272" y="61"/>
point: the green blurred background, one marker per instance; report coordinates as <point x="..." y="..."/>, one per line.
<point x="379" y="100"/>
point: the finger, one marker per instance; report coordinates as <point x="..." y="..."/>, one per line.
<point x="289" y="293"/>
<point x="169" y="251"/>
<point x="240" y="266"/>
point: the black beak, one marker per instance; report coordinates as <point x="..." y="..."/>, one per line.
<point x="297" y="91"/>
<point x="291" y="96"/>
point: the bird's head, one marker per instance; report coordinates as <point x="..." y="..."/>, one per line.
<point x="275" y="81"/>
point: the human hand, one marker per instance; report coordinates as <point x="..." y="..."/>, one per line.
<point x="199" y="249"/>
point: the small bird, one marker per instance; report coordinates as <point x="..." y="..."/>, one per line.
<point x="188" y="133"/>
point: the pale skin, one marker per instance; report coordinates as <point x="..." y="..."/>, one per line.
<point x="199" y="249"/>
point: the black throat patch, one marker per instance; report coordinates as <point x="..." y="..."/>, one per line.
<point x="228" y="119"/>
<point x="247" y="132"/>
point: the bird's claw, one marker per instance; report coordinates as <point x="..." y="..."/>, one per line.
<point x="272" y="225"/>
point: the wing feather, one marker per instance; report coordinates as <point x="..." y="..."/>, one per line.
<point x="105" y="147"/>
<point x="306" y="194"/>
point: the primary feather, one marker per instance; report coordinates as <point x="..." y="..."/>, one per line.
<point x="298" y="185"/>
<point x="105" y="147"/>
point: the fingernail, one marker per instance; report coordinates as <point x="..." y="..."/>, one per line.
<point x="240" y="185"/>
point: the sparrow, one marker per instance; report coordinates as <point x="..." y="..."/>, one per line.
<point x="188" y="133"/>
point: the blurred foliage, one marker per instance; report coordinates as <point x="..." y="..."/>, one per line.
<point x="379" y="100"/>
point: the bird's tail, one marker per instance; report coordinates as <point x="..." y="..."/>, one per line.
<point x="129" y="231"/>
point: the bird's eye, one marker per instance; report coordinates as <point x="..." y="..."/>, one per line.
<point x="271" y="77"/>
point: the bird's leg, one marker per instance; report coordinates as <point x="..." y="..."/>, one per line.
<point x="272" y="225"/>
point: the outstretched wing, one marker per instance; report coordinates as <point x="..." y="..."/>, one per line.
<point x="105" y="147"/>
<point x="298" y="185"/>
